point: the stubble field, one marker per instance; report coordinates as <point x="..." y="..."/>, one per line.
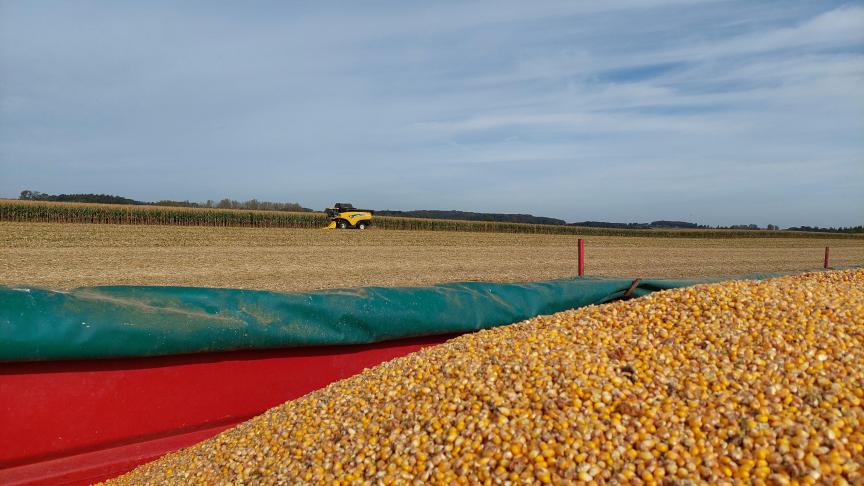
<point x="71" y="255"/>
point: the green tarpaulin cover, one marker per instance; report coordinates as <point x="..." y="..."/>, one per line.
<point x="129" y="321"/>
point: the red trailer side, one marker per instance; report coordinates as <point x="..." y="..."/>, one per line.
<point x="76" y="422"/>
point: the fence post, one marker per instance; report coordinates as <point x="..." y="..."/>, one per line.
<point x="825" y="265"/>
<point x="582" y="257"/>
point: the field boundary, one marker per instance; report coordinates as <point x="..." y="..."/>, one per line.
<point x="93" y="213"/>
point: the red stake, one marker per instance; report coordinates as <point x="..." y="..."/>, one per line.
<point x="826" y="258"/>
<point x="582" y="257"/>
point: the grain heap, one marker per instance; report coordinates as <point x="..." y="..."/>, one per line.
<point x="724" y="383"/>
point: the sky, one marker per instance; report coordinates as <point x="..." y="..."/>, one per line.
<point x="716" y="112"/>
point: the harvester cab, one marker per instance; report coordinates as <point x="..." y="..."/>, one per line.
<point x="345" y="215"/>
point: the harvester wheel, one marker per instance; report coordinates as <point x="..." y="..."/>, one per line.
<point x="361" y="225"/>
<point x="342" y="224"/>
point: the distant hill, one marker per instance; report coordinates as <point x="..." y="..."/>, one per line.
<point x="469" y="216"/>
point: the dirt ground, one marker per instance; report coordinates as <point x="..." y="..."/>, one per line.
<point x="72" y="255"/>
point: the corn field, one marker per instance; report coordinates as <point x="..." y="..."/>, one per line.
<point x="52" y="212"/>
<point x="41" y="212"/>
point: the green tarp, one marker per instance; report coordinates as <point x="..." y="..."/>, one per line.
<point x="127" y="321"/>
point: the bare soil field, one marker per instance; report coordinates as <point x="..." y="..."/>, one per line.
<point x="63" y="256"/>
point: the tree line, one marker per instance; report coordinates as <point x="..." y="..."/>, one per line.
<point x="252" y="204"/>
<point x="469" y="216"/>
<point x="817" y="229"/>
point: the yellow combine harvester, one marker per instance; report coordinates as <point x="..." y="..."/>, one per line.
<point x="344" y="216"/>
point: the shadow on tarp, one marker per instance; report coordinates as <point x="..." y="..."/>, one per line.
<point x="138" y="321"/>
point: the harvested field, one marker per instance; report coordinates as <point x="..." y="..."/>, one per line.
<point x="71" y="255"/>
<point x="740" y="382"/>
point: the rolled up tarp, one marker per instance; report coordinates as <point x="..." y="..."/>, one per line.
<point x="137" y="321"/>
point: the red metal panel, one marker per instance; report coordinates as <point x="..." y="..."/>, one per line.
<point x="96" y="465"/>
<point x="73" y="422"/>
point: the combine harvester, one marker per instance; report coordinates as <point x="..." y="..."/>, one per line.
<point x="345" y="216"/>
<point x="96" y="381"/>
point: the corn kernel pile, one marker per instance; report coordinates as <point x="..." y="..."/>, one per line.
<point x="726" y="383"/>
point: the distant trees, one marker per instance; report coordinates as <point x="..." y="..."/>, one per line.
<point x="743" y="227"/>
<point x="817" y="229"/>
<point x="674" y="224"/>
<point x="257" y="205"/>
<point x="654" y="224"/>
<point x="31" y="196"/>
<point x="469" y="216"/>
<point x="254" y="204"/>
<point x="176" y="204"/>
<point x="605" y="224"/>
<point x="87" y="198"/>
<point x="848" y="229"/>
<point x="682" y="224"/>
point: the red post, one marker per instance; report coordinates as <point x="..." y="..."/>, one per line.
<point x="582" y="257"/>
<point x="826" y="258"/>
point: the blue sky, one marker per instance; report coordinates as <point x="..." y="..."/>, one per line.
<point x="718" y="112"/>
